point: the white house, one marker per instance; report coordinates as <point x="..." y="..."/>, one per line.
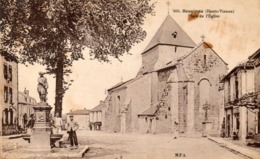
<point x="81" y="116"/>
<point x="95" y="117"/>
<point x="25" y="107"/>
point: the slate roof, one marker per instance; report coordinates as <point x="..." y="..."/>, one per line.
<point x="255" y="55"/>
<point x="150" y="111"/>
<point x="79" y="112"/>
<point x="22" y="100"/>
<point x="118" y="85"/>
<point x="124" y="84"/>
<point x="173" y="64"/>
<point x="202" y="44"/>
<point x="164" y="35"/>
<point x="25" y="95"/>
<point x="98" y="107"/>
<point x="244" y="64"/>
<point x="248" y="63"/>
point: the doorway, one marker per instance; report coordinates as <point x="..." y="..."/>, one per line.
<point x="228" y="125"/>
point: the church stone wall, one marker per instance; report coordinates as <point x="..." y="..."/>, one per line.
<point x="204" y="64"/>
<point x="148" y="60"/>
<point x="169" y="54"/>
<point x="164" y="117"/>
<point x="183" y="110"/>
<point x="140" y="94"/>
<point x="115" y="102"/>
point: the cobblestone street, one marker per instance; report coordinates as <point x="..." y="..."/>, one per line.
<point x="139" y="146"/>
<point x="148" y="146"/>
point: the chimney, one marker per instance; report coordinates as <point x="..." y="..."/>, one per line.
<point x="26" y="91"/>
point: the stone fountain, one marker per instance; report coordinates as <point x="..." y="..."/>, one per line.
<point x="41" y="137"/>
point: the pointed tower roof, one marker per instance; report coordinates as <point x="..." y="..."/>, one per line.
<point x="165" y="35"/>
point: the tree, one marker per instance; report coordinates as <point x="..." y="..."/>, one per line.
<point x="54" y="33"/>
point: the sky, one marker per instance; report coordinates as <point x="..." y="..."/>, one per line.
<point x="234" y="37"/>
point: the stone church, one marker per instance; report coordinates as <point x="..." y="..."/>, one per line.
<point x="178" y="81"/>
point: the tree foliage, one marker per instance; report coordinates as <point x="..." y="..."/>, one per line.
<point x="54" y="33"/>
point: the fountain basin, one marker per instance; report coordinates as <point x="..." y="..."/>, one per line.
<point x="53" y="137"/>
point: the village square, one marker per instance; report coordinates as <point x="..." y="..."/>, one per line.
<point x="181" y="101"/>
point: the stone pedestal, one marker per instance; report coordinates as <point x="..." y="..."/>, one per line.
<point x="207" y="125"/>
<point x="40" y="139"/>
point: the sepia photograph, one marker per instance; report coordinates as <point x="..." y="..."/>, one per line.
<point x="130" y="79"/>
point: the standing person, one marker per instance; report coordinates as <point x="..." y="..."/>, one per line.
<point x="57" y="124"/>
<point x="30" y="125"/>
<point x="71" y="129"/>
<point x="24" y="120"/>
<point x="52" y="129"/>
<point x="176" y="129"/>
<point x="51" y="122"/>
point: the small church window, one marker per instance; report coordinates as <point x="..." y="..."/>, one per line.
<point x="175" y="48"/>
<point x="169" y="108"/>
<point x="205" y="59"/>
<point x="174" y="34"/>
<point x="165" y="116"/>
<point x="118" y="105"/>
<point x="145" y="119"/>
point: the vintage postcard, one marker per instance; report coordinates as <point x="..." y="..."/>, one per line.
<point x="130" y="79"/>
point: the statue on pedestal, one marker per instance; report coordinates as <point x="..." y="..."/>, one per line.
<point x="41" y="139"/>
<point x="42" y="87"/>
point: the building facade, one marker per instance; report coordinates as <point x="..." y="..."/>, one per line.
<point x="178" y="81"/>
<point x="81" y="116"/>
<point x="9" y="94"/>
<point x="96" y="117"/>
<point x="25" y="107"/>
<point x="242" y="99"/>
